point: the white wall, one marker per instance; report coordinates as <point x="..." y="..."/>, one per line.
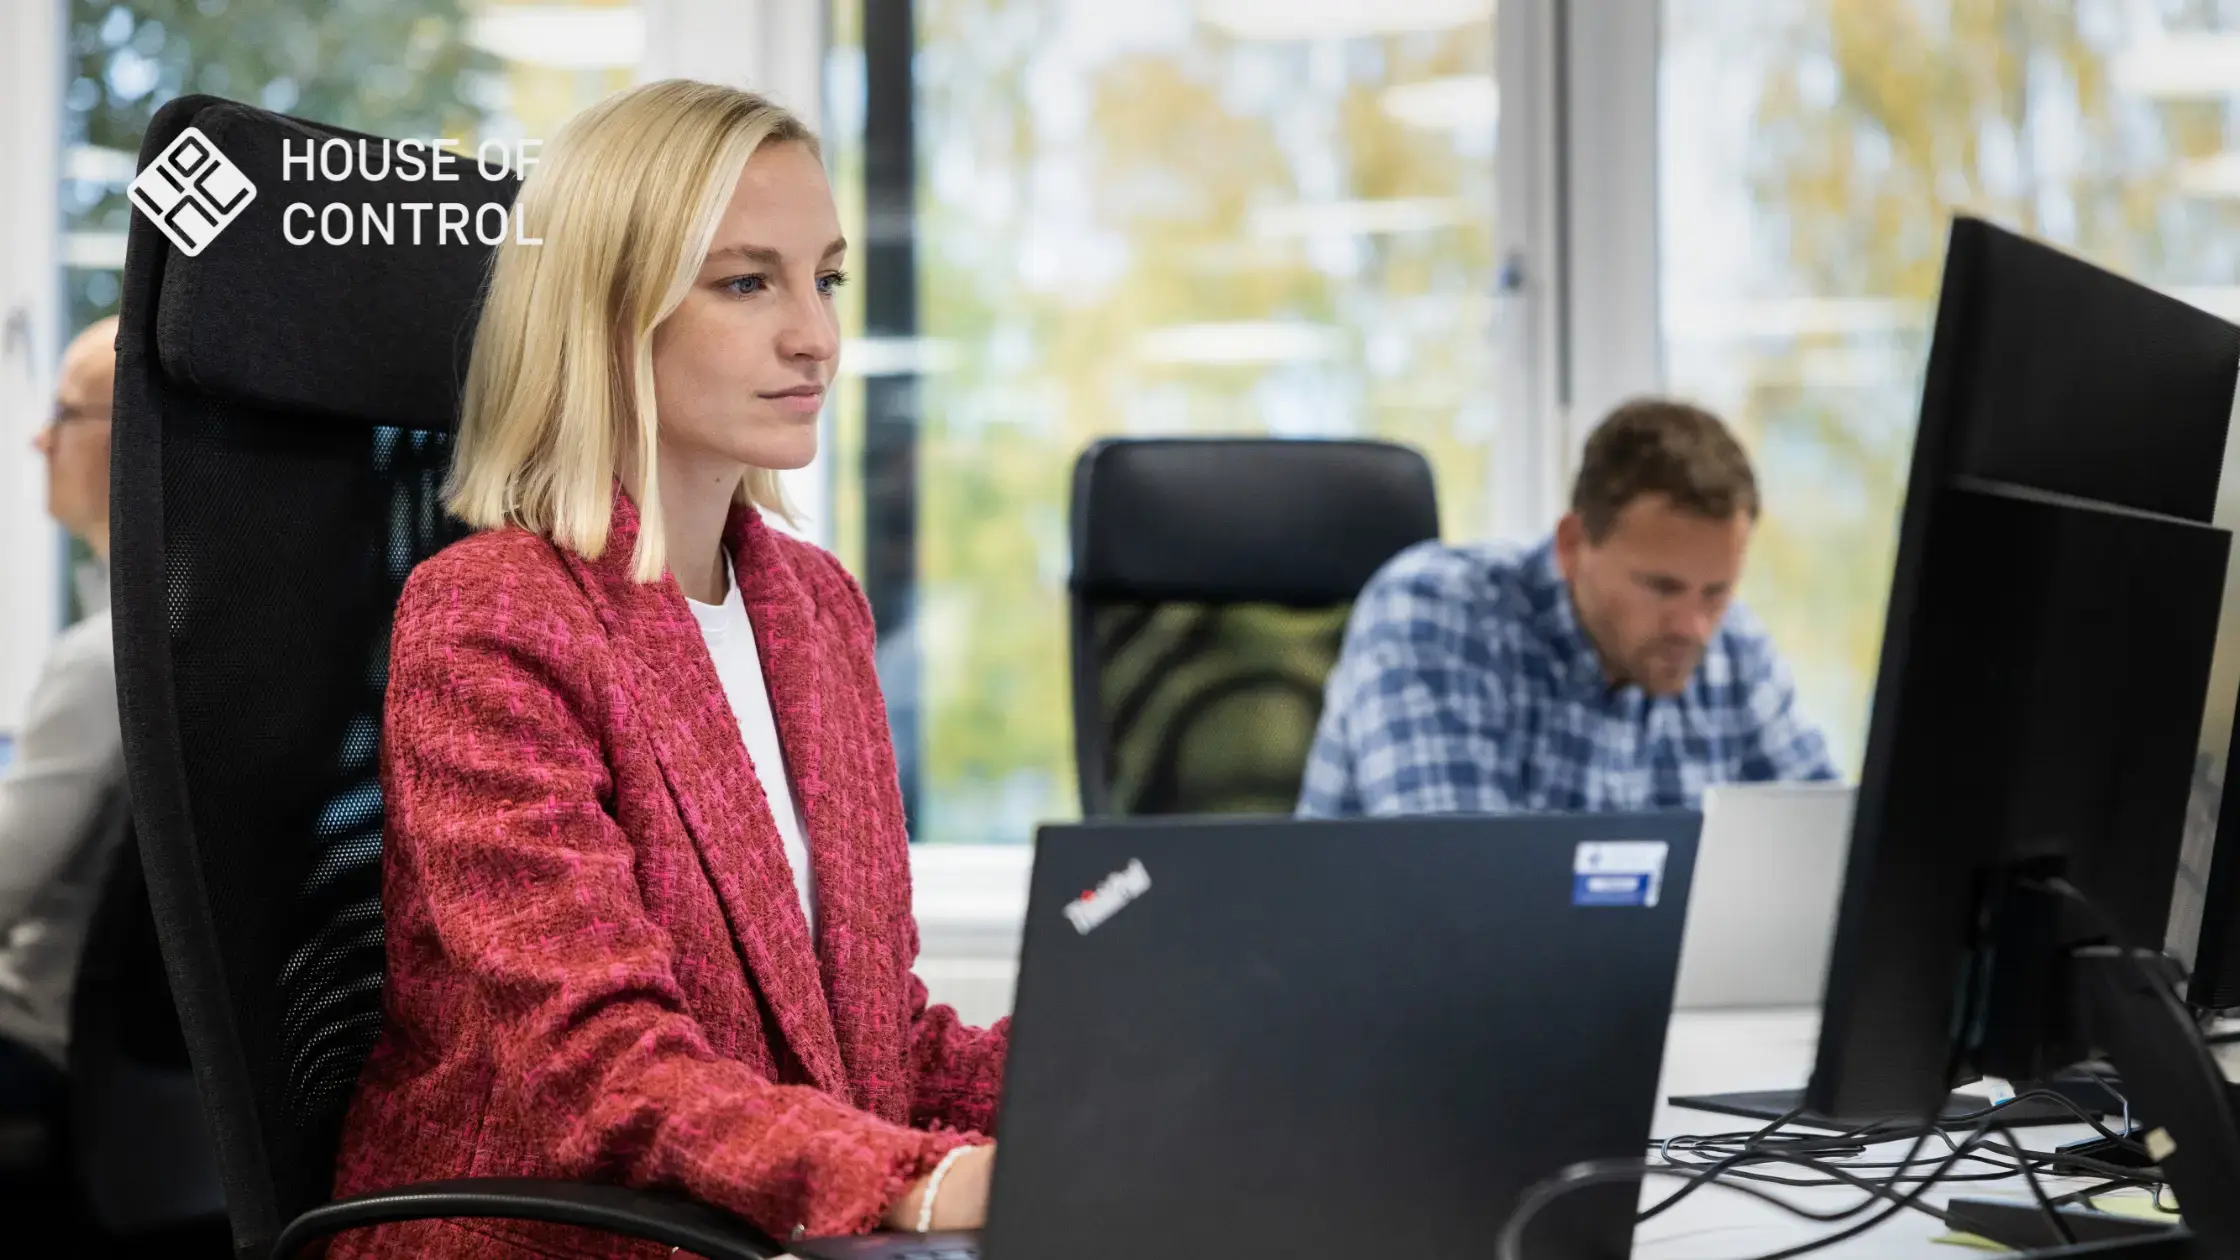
<point x="30" y="339"/>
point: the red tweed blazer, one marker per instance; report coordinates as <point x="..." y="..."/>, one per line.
<point x="598" y="964"/>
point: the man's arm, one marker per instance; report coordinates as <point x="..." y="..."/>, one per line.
<point x="68" y="756"/>
<point x="1413" y="715"/>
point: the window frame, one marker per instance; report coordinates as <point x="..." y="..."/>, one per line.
<point x="31" y="339"/>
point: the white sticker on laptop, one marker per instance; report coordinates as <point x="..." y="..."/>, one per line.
<point x="1109" y="897"/>
<point x="1618" y="872"/>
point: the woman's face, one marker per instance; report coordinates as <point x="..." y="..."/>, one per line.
<point x="741" y="367"/>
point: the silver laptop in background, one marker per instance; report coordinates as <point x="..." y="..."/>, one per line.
<point x="1763" y="912"/>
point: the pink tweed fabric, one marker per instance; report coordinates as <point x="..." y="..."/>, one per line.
<point x="598" y="965"/>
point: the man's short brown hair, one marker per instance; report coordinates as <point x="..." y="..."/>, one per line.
<point x="1656" y="446"/>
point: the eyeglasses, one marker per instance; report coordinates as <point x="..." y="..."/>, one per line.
<point x="63" y="415"/>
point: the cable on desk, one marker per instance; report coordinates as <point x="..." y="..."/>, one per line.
<point x="1826" y="1155"/>
<point x="1818" y="1153"/>
<point x="1608" y="1171"/>
<point x="1823" y="1153"/>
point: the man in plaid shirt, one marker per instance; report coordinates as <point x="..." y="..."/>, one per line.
<point x="1604" y="669"/>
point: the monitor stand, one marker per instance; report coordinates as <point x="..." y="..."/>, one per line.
<point x="2168" y="1071"/>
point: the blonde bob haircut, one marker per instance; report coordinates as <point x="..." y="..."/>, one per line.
<point x="559" y="397"/>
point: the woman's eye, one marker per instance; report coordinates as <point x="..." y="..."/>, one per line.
<point x="829" y="283"/>
<point x="743" y="285"/>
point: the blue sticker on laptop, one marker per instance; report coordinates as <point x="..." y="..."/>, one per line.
<point x="1618" y="872"/>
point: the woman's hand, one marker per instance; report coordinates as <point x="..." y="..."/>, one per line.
<point x="961" y="1203"/>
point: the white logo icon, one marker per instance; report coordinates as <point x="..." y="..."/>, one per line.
<point x="1109" y="897"/>
<point x="191" y="191"/>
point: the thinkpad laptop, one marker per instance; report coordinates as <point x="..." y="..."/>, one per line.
<point x="1275" y="1038"/>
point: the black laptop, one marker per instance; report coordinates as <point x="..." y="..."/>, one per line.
<point x="1279" y="1038"/>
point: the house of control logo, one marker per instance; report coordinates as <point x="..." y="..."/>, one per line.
<point x="1109" y="897"/>
<point x="191" y="192"/>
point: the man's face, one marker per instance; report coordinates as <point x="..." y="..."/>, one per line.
<point x="1652" y="592"/>
<point x="76" y="441"/>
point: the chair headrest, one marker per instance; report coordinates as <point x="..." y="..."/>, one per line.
<point x="269" y="312"/>
<point x="1300" y="522"/>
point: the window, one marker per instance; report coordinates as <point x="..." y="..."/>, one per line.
<point x="1086" y="218"/>
<point x="467" y="69"/>
<point x="1811" y="156"/>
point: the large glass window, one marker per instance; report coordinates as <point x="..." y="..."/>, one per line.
<point x="1811" y="155"/>
<point x="469" y="69"/>
<point x="1087" y="218"/>
<point x="466" y="69"/>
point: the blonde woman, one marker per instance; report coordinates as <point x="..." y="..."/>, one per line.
<point x="646" y="877"/>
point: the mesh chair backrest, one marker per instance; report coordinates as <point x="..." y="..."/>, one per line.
<point x="282" y="438"/>
<point x="1211" y="585"/>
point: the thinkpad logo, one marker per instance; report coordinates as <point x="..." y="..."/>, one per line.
<point x="191" y="192"/>
<point x="1109" y="897"/>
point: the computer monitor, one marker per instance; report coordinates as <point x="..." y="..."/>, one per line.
<point x="2211" y="926"/>
<point x="2214" y="984"/>
<point x="2045" y="664"/>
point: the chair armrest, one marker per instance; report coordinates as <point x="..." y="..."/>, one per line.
<point x="664" y="1219"/>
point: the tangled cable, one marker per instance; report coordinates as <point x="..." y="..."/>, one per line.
<point x="1737" y="1162"/>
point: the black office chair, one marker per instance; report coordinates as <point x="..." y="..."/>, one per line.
<point x="1212" y="578"/>
<point x="143" y="1169"/>
<point x="283" y="422"/>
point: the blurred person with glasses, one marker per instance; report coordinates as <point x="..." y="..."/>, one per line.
<point x="69" y="756"/>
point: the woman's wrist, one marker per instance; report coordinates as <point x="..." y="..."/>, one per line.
<point x="919" y="1208"/>
<point x="940" y="1173"/>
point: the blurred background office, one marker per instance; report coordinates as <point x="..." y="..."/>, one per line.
<point x="1464" y="225"/>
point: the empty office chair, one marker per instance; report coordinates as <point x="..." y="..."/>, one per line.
<point x="283" y="423"/>
<point x="1211" y="582"/>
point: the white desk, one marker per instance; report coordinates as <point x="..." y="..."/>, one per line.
<point x="1717" y="1052"/>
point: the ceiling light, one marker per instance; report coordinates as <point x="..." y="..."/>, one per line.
<point x="2221" y="300"/>
<point x="1240" y="344"/>
<point x="1461" y="102"/>
<point x="96" y="165"/>
<point x="2216" y="177"/>
<point x="564" y="36"/>
<point x="1360" y="218"/>
<point x="1339" y="19"/>
<point x="2192" y="65"/>
<point x="898" y="356"/>
<point x="94" y="251"/>
<point x="1791" y="318"/>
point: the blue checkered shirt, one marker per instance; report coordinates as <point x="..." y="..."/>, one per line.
<point x="1467" y="686"/>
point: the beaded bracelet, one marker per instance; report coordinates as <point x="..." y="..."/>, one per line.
<point x="933" y="1187"/>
